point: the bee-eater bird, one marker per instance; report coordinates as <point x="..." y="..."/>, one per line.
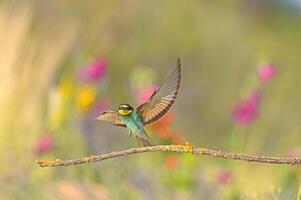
<point x="157" y="105"/>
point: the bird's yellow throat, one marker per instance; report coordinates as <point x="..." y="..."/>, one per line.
<point x="124" y="112"/>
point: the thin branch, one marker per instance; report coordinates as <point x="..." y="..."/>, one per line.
<point x="172" y="148"/>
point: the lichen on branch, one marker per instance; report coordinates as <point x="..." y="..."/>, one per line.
<point x="187" y="148"/>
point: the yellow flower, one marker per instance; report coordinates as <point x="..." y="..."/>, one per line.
<point x="55" y="108"/>
<point x="84" y="98"/>
<point x="65" y="87"/>
<point x="57" y="99"/>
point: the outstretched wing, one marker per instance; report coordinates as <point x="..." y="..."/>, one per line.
<point x="112" y="117"/>
<point x="162" y="99"/>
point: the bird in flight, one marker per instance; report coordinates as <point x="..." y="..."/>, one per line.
<point x="158" y="104"/>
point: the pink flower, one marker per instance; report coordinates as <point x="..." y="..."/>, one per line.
<point x="294" y="152"/>
<point x="171" y="162"/>
<point x="266" y="72"/>
<point x="224" y="177"/>
<point x="44" y="144"/>
<point x="99" y="107"/>
<point x="145" y="94"/>
<point x="246" y="110"/>
<point x="178" y="138"/>
<point x="94" y="71"/>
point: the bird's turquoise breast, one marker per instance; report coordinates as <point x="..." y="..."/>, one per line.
<point x="133" y="122"/>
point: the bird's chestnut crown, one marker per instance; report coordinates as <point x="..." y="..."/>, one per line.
<point x="125" y="109"/>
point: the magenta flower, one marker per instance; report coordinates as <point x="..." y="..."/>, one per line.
<point x="94" y="71"/>
<point x="145" y="94"/>
<point x="294" y="152"/>
<point x="99" y="107"/>
<point x="44" y="144"/>
<point x="246" y="110"/>
<point x="224" y="177"/>
<point x="266" y="72"/>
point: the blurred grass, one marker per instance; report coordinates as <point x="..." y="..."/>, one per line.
<point x="221" y="45"/>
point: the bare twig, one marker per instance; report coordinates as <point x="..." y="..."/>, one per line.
<point x="172" y="148"/>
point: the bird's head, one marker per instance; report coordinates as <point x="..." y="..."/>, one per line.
<point x="125" y="109"/>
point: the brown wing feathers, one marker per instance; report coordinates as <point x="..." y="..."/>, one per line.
<point x="111" y="116"/>
<point x="162" y="99"/>
<point x="158" y="104"/>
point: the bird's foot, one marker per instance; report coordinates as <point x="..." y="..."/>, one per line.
<point x="130" y="133"/>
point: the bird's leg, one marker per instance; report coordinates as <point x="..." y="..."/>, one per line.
<point x="130" y="133"/>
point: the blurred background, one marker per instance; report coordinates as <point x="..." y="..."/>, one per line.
<point x="64" y="62"/>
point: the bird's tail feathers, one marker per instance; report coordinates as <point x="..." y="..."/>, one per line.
<point x="144" y="142"/>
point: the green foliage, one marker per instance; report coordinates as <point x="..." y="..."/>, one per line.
<point x="49" y="95"/>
